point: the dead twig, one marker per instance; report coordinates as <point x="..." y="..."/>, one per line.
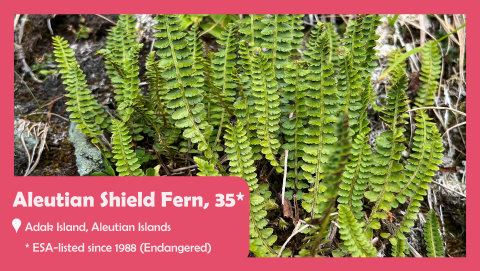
<point x="183" y="168"/>
<point x="103" y="17"/>
<point x="449" y="189"/>
<point x="284" y="176"/>
<point x="48" y="113"/>
<point x="435" y="107"/>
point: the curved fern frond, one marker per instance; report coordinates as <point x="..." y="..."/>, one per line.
<point x="331" y="183"/>
<point x="127" y="162"/>
<point x="351" y="233"/>
<point x="387" y="172"/>
<point x="427" y="153"/>
<point x="185" y="93"/>
<point x="433" y="237"/>
<point x="430" y="74"/>
<point x="251" y="27"/>
<point x="322" y="101"/>
<point x="267" y="109"/>
<point x="357" y="172"/>
<point x="293" y="129"/>
<point x="85" y="110"/>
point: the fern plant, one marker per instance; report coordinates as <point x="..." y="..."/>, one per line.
<point x="323" y="107"/>
<point x="433" y="238"/>
<point x="120" y="41"/>
<point x="294" y="128"/>
<point x="430" y="74"/>
<point x="351" y="232"/>
<point x="327" y="199"/>
<point x="233" y="108"/>
<point x="251" y="28"/>
<point x="428" y="149"/>
<point x="85" y="110"/>
<point x="185" y="94"/>
<point x="357" y="172"/>
<point x="241" y="165"/>
<point x="267" y="109"/>
<point x="387" y="172"/>
<point x="127" y="162"/>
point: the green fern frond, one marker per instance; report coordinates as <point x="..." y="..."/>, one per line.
<point x="85" y="110"/>
<point x="399" y="248"/>
<point x="196" y="47"/>
<point x="322" y="101"/>
<point x="240" y="153"/>
<point x="295" y="21"/>
<point x="127" y="162"/>
<point x="427" y="153"/>
<point x="205" y="168"/>
<point x="131" y="89"/>
<point x="185" y="93"/>
<point x="241" y="164"/>
<point x="244" y="111"/>
<point x="433" y="237"/>
<point x="370" y="24"/>
<point x="355" y="42"/>
<point x="224" y="63"/>
<point x="261" y="237"/>
<point x="251" y="27"/>
<point x="267" y="109"/>
<point x="357" y="172"/>
<point x="277" y="38"/>
<point x="331" y="183"/>
<point x="351" y="233"/>
<point x="120" y="40"/>
<point x="387" y="172"/>
<point x="157" y="88"/>
<point x="244" y="106"/>
<point x="430" y="74"/>
<point x="349" y="88"/>
<point x="293" y="129"/>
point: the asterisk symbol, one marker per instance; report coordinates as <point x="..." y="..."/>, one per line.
<point x="240" y="196"/>
<point x="27" y="245"/>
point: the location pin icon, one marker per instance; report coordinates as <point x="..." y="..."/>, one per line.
<point x="16" y="224"/>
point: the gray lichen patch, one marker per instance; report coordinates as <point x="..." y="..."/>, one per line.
<point x="89" y="158"/>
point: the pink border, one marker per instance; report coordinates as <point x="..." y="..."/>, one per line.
<point x="249" y="6"/>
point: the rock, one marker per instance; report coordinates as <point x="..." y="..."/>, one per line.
<point x="89" y="158"/>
